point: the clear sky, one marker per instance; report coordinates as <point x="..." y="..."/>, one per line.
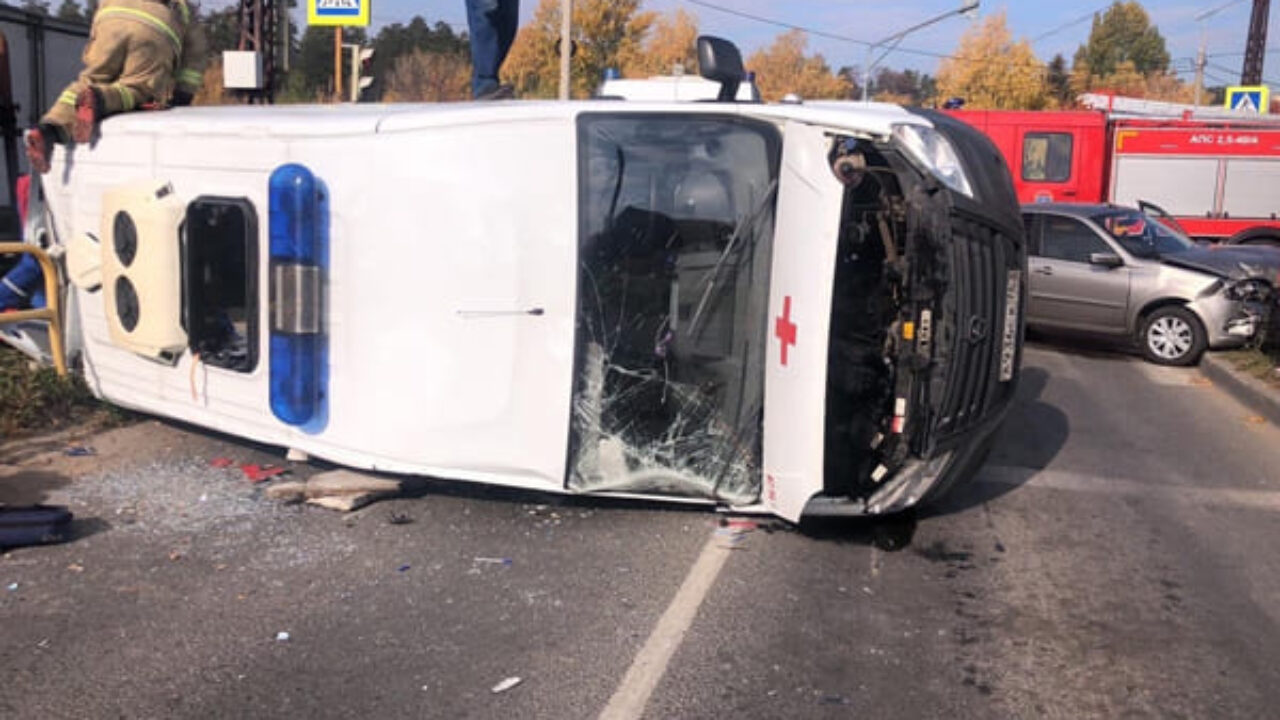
<point x="872" y="20"/>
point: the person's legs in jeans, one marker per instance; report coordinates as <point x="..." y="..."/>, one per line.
<point x="492" y="24"/>
<point x="508" y="23"/>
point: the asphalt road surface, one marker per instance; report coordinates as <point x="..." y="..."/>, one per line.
<point x="1117" y="557"/>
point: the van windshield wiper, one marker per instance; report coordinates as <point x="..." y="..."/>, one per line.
<point x="746" y="223"/>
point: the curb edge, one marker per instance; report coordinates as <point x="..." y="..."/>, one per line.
<point x="1250" y="391"/>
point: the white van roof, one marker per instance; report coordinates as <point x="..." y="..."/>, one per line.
<point x="320" y="121"/>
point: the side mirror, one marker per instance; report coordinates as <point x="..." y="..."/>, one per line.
<point x="1106" y="260"/>
<point x="720" y="61"/>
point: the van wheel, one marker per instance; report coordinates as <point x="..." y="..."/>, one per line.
<point x="1173" y="336"/>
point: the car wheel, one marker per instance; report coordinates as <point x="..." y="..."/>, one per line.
<point x="1247" y="240"/>
<point x="1173" y="336"/>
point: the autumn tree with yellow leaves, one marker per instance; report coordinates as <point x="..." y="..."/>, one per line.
<point x="784" y="68"/>
<point x="1127" y="81"/>
<point x="420" y="76"/>
<point x="672" y="42"/>
<point x="604" y="33"/>
<point x="991" y="71"/>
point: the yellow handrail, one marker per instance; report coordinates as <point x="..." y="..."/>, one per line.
<point x="51" y="312"/>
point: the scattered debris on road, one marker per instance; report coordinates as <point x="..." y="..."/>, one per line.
<point x="342" y="490"/>
<point x="79" y="451"/>
<point x="253" y="472"/>
<point x="732" y="532"/>
<point x="261" y="473"/>
<point x="506" y="685"/>
<point x="282" y="636"/>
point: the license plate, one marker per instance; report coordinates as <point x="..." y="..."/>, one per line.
<point x="1009" y="338"/>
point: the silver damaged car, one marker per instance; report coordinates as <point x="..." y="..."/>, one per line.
<point x="1115" y="271"/>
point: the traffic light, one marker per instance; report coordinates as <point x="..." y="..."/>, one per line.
<point x="361" y="70"/>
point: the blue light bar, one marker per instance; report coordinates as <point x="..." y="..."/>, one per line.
<point x="298" y="347"/>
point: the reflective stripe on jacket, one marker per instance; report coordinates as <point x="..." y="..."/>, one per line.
<point x="173" y="19"/>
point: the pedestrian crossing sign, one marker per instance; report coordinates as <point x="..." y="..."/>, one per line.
<point x="350" y="13"/>
<point x="1249" y="98"/>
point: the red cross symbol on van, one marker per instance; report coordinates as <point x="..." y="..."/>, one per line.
<point x="784" y="329"/>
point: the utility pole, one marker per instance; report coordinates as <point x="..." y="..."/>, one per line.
<point x="337" y="63"/>
<point x="282" y="25"/>
<point x="566" y="46"/>
<point x="1200" y="60"/>
<point x="1255" y="48"/>
<point x="257" y="22"/>
<point x="1204" y="41"/>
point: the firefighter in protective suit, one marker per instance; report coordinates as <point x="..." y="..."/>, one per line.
<point x="141" y="54"/>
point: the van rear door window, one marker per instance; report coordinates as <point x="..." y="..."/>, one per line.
<point x="220" y="282"/>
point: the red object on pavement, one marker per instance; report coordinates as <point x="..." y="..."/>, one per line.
<point x="222" y="462"/>
<point x="259" y="473"/>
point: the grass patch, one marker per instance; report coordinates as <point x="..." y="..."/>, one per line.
<point x="35" y="399"/>
<point x="1258" y="363"/>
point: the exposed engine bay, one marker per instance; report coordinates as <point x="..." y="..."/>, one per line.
<point x="887" y="276"/>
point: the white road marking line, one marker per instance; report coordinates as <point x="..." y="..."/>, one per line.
<point x="1078" y="482"/>
<point x="632" y="695"/>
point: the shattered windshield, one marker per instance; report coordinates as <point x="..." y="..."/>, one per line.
<point x="676" y="217"/>
<point x="1141" y="234"/>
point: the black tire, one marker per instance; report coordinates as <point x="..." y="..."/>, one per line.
<point x="1263" y="240"/>
<point x="1172" y="335"/>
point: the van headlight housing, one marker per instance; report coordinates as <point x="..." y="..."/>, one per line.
<point x="935" y="152"/>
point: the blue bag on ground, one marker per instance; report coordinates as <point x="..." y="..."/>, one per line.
<point x="34" y="525"/>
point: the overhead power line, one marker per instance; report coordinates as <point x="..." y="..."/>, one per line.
<point x="811" y="31"/>
<point x="1218" y="78"/>
<point x="1070" y="23"/>
<point x="1232" y="72"/>
<point x="1037" y="65"/>
<point x="1238" y="54"/>
<point x="845" y="38"/>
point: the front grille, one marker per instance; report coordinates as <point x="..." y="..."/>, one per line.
<point x="981" y="259"/>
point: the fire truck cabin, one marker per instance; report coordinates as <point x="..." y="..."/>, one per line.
<point x="1216" y="178"/>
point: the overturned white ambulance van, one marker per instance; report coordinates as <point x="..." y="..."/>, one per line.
<point x="791" y="309"/>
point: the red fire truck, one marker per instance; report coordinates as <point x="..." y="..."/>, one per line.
<point x="1216" y="172"/>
